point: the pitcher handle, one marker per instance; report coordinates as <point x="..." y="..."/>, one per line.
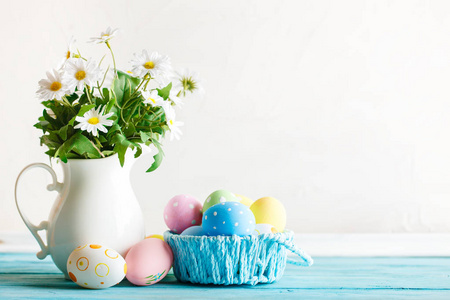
<point x="55" y="186"/>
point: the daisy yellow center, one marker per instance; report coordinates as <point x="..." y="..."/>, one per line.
<point x="153" y="100"/>
<point x="55" y="86"/>
<point x="93" y="121"/>
<point x="189" y="84"/>
<point x="149" y="65"/>
<point x="80" y="75"/>
<point x="171" y="122"/>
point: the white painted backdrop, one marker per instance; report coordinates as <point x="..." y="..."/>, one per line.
<point x="337" y="108"/>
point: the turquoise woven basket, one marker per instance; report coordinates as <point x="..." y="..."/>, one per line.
<point x="233" y="259"/>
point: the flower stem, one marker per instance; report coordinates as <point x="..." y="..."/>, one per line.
<point x="96" y="148"/>
<point x="104" y="78"/>
<point x="132" y="112"/>
<point x="145" y="86"/>
<point x="112" y="54"/>
<point x="67" y="103"/>
<point x="146" y="78"/>
<point x="87" y="88"/>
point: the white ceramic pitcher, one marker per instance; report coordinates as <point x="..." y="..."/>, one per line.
<point x="95" y="204"/>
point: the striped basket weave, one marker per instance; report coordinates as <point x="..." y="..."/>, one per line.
<point x="233" y="259"/>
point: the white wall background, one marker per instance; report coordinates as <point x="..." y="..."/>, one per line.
<point x="340" y="109"/>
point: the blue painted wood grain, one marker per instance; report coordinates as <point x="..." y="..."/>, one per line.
<point x="23" y="276"/>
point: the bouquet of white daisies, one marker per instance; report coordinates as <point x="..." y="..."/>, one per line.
<point x="94" y="111"/>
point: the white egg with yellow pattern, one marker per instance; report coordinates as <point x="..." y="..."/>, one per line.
<point x="96" y="267"/>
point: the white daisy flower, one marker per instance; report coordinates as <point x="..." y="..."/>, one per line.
<point x="104" y="36"/>
<point x="153" y="98"/>
<point x="68" y="54"/>
<point x="188" y="81"/>
<point x="94" y="120"/>
<point x="70" y="48"/>
<point x="174" y="96"/>
<point x="154" y="64"/>
<point x="174" y="126"/>
<point x="80" y="72"/>
<point x="53" y="87"/>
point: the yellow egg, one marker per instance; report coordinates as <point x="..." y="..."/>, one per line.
<point x="156" y="236"/>
<point x="245" y="200"/>
<point x="269" y="210"/>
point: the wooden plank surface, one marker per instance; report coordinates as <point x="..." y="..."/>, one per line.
<point x="23" y="276"/>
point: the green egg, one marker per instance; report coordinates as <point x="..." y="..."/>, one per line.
<point x="219" y="196"/>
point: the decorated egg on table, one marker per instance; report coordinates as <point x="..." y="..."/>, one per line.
<point x="194" y="231"/>
<point x="181" y="212"/>
<point x="148" y="261"/>
<point x="217" y="197"/>
<point x="269" y="210"/>
<point x="244" y="200"/>
<point x="228" y="218"/>
<point x="96" y="267"/>
<point x="155" y="236"/>
<point x="264" y="229"/>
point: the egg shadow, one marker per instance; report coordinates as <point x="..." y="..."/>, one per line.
<point x="43" y="281"/>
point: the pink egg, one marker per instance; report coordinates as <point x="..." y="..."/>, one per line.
<point x="148" y="262"/>
<point x="181" y="212"/>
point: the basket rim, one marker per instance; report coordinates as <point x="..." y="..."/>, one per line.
<point x="172" y="235"/>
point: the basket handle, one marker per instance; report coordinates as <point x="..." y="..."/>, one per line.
<point x="304" y="261"/>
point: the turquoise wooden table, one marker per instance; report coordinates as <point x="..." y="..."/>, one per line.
<point x="23" y="276"/>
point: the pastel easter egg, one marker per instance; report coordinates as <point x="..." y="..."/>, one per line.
<point x="148" y="261"/>
<point x="245" y="200"/>
<point x="181" y="212"/>
<point x="269" y="210"/>
<point x="96" y="267"/>
<point x="194" y="231"/>
<point x="155" y="236"/>
<point x="264" y="229"/>
<point x="217" y="197"/>
<point x="228" y="218"/>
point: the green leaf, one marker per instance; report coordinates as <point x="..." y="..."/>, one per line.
<point x="123" y="86"/>
<point x="51" y="152"/>
<point x="108" y="152"/>
<point x="121" y="145"/>
<point x="82" y="145"/>
<point x="83" y="99"/>
<point x="106" y="94"/>
<point x="158" y="157"/>
<point x="129" y="130"/>
<point x="102" y="139"/>
<point x="72" y="98"/>
<point x="110" y="105"/>
<point x="82" y="111"/>
<point x="51" y="140"/>
<point x="54" y="122"/>
<point x="42" y="125"/>
<point x="144" y="136"/>
<point x="164" y="92"/>
<point x="113" y="130"/>
<point x="99" y="101"/>
<point x="62" y="132"/>
<point x="79" y="144"/>
<point x="138" y="150"/>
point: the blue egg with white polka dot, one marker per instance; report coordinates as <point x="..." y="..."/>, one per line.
<point x="194" y="231"/>
<point x="228" y="218"/>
